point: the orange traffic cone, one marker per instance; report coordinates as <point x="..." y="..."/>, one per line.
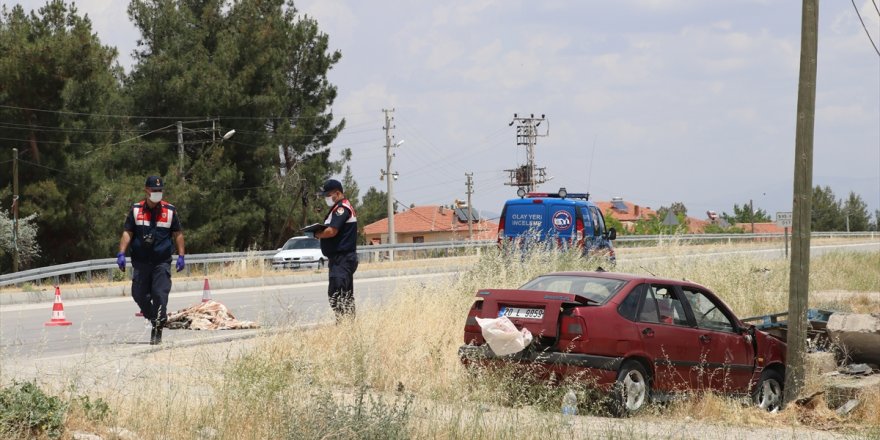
<point x="206" y="292"/>
<point x="58" y="311"/>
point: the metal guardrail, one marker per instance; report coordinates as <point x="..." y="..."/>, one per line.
<point x="370" y="253"/>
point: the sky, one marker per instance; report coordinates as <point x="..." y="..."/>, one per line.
<point x="654" y="101"/>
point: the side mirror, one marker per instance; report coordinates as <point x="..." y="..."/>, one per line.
<point x="612" y="234"/>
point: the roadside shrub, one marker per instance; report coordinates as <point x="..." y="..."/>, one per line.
<point x="367" y="417"/>
<point x="96" y="411"/>
<point x="25" y="410"/>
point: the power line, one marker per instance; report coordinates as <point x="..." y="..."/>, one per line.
<point x="183" y="118"/>
<point x="865" y="27"/>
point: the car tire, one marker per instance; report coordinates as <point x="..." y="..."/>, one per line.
<point x="632" y="390"/>
<point x="768" y="392"/>
<point x="321" y="263"/>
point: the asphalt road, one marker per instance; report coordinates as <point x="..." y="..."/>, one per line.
<point x="107" y="323"/>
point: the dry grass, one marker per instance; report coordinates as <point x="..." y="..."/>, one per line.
<point x="394" y="372"/>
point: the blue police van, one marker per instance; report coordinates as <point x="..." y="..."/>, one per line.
<point x="564" y="218"/>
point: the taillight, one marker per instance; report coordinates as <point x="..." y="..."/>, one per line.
<point x="579" y="231"/>
<point x="572" y="332"/>
<point x="501" y="229"/>
<point x="472" y="331"/>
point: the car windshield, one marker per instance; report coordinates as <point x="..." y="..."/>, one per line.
<point x="594" y="288"/>
<point x="302" y="243"/>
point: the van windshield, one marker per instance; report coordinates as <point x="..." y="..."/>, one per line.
<point x="594" y="288"/>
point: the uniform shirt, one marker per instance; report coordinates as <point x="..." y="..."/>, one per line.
<point x="343" y="218"/>
<point x="160" y="221"/>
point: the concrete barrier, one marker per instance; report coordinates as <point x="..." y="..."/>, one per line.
<point x="857" y="334"/>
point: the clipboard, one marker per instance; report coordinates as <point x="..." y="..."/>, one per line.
<point x="314" y="227"/>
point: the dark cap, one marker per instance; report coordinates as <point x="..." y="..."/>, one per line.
<point x="154" y="182"/>
<point x="330" y="185"/>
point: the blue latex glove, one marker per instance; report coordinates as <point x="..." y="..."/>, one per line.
<point x="120" y="261"/>
<point x="181" y="263"/>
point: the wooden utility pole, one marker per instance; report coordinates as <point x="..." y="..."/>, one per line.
<point x="180" y="148"/>
<point x="15" y="255"/>
<point x="798" y="291"/>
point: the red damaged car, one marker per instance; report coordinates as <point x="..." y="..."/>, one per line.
<point x="643" y="338"/>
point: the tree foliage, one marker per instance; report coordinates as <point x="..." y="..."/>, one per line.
<point x="831" y="214"/>
<point x="856" y="212"/>
<point x="57" y="84"/>
<point x="373" y="207"/>
<point x="26" y="241"/>
<point x="256" y="66"/>
<point x="263" y="66"/>
<point x="746" y="214"/>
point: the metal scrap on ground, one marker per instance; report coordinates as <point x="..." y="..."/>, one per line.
<point x="209" y="315"/>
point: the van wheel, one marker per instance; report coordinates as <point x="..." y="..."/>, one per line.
<point x="631" y="391"/>
<point x="321" y="263"/>
<point x="768" y="393"/>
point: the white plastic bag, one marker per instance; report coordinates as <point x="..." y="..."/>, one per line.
<point x="503" y="337"/>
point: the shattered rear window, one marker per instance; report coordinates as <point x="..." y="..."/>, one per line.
<point x="596" y="289"/>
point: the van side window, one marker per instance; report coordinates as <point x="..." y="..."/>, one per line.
<point x="588" y="223"/>
<point x="598" y="221"/>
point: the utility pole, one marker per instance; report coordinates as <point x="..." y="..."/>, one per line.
<point x="389" y="177"/>
<point x="752" y="214"/>
<point x="470" y="190"/>
<point x="528" y="176"/>
<point x="15" y="256"/>
<point x="180" y="148"/>
<point x="798" y="290"/>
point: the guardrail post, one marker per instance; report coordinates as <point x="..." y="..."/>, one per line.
<point x="89" y="276"/>
<point x="56" y="280"/>
<point x="110" y="275"/>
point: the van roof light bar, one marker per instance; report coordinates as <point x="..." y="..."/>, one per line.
<point x="583" y="196"/>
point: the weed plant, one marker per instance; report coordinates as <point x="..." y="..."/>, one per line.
<point x="394" y="372"/>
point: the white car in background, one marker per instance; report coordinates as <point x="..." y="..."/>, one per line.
<point x="299" y="252"/>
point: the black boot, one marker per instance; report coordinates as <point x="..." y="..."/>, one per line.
<point x="156" y="335"/>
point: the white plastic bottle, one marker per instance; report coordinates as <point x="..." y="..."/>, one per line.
<point x="570" y="404"/>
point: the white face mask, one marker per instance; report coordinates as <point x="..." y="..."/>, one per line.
<point x="155" y="197"/>
<point x="329" y="201"/>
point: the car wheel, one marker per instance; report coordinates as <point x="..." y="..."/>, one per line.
<point x="632" y="390"/>
<point x="768" y="394"/>
<point x="321" y="263"/>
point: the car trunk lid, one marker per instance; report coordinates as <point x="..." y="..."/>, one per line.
<point x="537" y="311"/>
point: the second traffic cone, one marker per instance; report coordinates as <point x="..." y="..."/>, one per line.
<point x="206" y="292"/>
<point x="58" y="311"/>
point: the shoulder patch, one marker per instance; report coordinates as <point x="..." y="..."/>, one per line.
<point x="340" y="210"/>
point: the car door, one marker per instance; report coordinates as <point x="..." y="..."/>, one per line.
<point x="667" y="337"/>
<point x="726" y="355"/>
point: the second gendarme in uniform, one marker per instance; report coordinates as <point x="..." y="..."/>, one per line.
<point x="339" y="245"/>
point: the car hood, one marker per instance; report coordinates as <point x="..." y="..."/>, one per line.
<point x="300" y="253"/>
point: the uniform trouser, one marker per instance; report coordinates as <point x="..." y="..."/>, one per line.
<point x="150" y="285"/>
<point x="341" y="287"/>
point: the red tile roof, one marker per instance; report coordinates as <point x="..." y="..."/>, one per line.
<point x="431" y="218"/>
<point x="696" y="226"/>
<point x="761" y="228"/>
<point x="629" y="215"/>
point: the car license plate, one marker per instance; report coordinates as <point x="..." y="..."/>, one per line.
<point x="519" y="312"/>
